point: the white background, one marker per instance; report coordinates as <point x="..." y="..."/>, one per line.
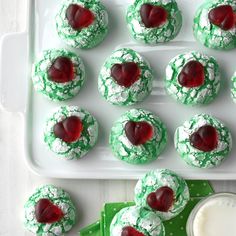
<point x="16" y="182"/>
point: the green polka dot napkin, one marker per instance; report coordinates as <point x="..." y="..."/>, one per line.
<point x="92" y="230"/>
<point x="175" y="227"/>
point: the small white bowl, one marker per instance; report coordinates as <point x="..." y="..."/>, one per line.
<point x="205" y="204"/>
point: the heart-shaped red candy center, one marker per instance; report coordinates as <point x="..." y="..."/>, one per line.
<point x="153" y="16"/>
<point x="161" y="200"/>
<point x="192" y="75"/>
<point x="138" y="133"/>
<point x="79" y="17"/>
<point x="69" y="130"/>
<point x="223" y="16"/>
<point x="205" y="138"/>
<point x="125" y="74"/>
<point x="46" y="212"/>
<point x="130" y="231"/>
<point x="61" y="70"/>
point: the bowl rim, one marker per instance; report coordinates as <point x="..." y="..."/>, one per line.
<point x="202" y="202"/>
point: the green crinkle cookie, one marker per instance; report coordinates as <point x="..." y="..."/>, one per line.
<point x="77" y="149"/>
<point x="209" y="34"/>
<point x="203" y="94"/>
<point x="142" y="220"/>
<point x="120" y="95"/>
<point x="233" y="88"/>
<point x="88" y="37"/>
<point x="58" y="197"/>
<point x="53" y="90"/>
<point x="156" y="179"/>
<point x="164" y="33"/>
<point x="197" y="158"/>
<point x="138" y="154"/>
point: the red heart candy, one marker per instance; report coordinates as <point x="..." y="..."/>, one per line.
<point x="205" y="138"/>
<point x="69" y="130"/>
<point x="153" y="16"/>
<point x="138" y="133"/>
<point x="223" y="16"/>
<point x="46" y="212"/>
<point x="61" y="70"/>
<point x="192" y="75"/>
<point x="161" y="200"/>
<point x="125" y="74"/>
<point x="79" y="17"/>
<point x="130" y="231"/>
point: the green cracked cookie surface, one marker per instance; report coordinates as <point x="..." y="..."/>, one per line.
<point x="120" y="95"/>
<point x="144" y="221"/>
<point x="87" y="37"/>
<point x="162" y="34"/>
<point x="233" y="87"/>
<point x="59" y="198"/>
<point x="123" y="149"/>
<point x="50" y="89"/>
<point x="198" y="158"/>
<point x="203" y="94"/>
<point x="156" y="179"/>
<point x="209" y="34"/>
<point x="83" y="145"/>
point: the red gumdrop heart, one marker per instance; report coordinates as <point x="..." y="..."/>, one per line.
<point x="192" y="75"/>
<point x="223" y="16"/>
<point x="46" y="212"/>
<point x="205" y="138"/>
<point x="125" y="74"/>
<point x="161" y="200"/>
<point x="69" y="130"/>
<point x="79" y="17"/>
<point x="130" y="231"/>
<point x="153" y="16"/>
<point x="61" y="70"/>
<point x="138" y="133"/>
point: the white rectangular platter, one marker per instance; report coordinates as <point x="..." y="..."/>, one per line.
<point x="100" y="163"/>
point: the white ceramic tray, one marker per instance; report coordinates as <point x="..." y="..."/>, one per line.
<point x="19" y="50"/>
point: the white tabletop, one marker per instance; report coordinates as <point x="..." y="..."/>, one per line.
<point x="17" y="182"/>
